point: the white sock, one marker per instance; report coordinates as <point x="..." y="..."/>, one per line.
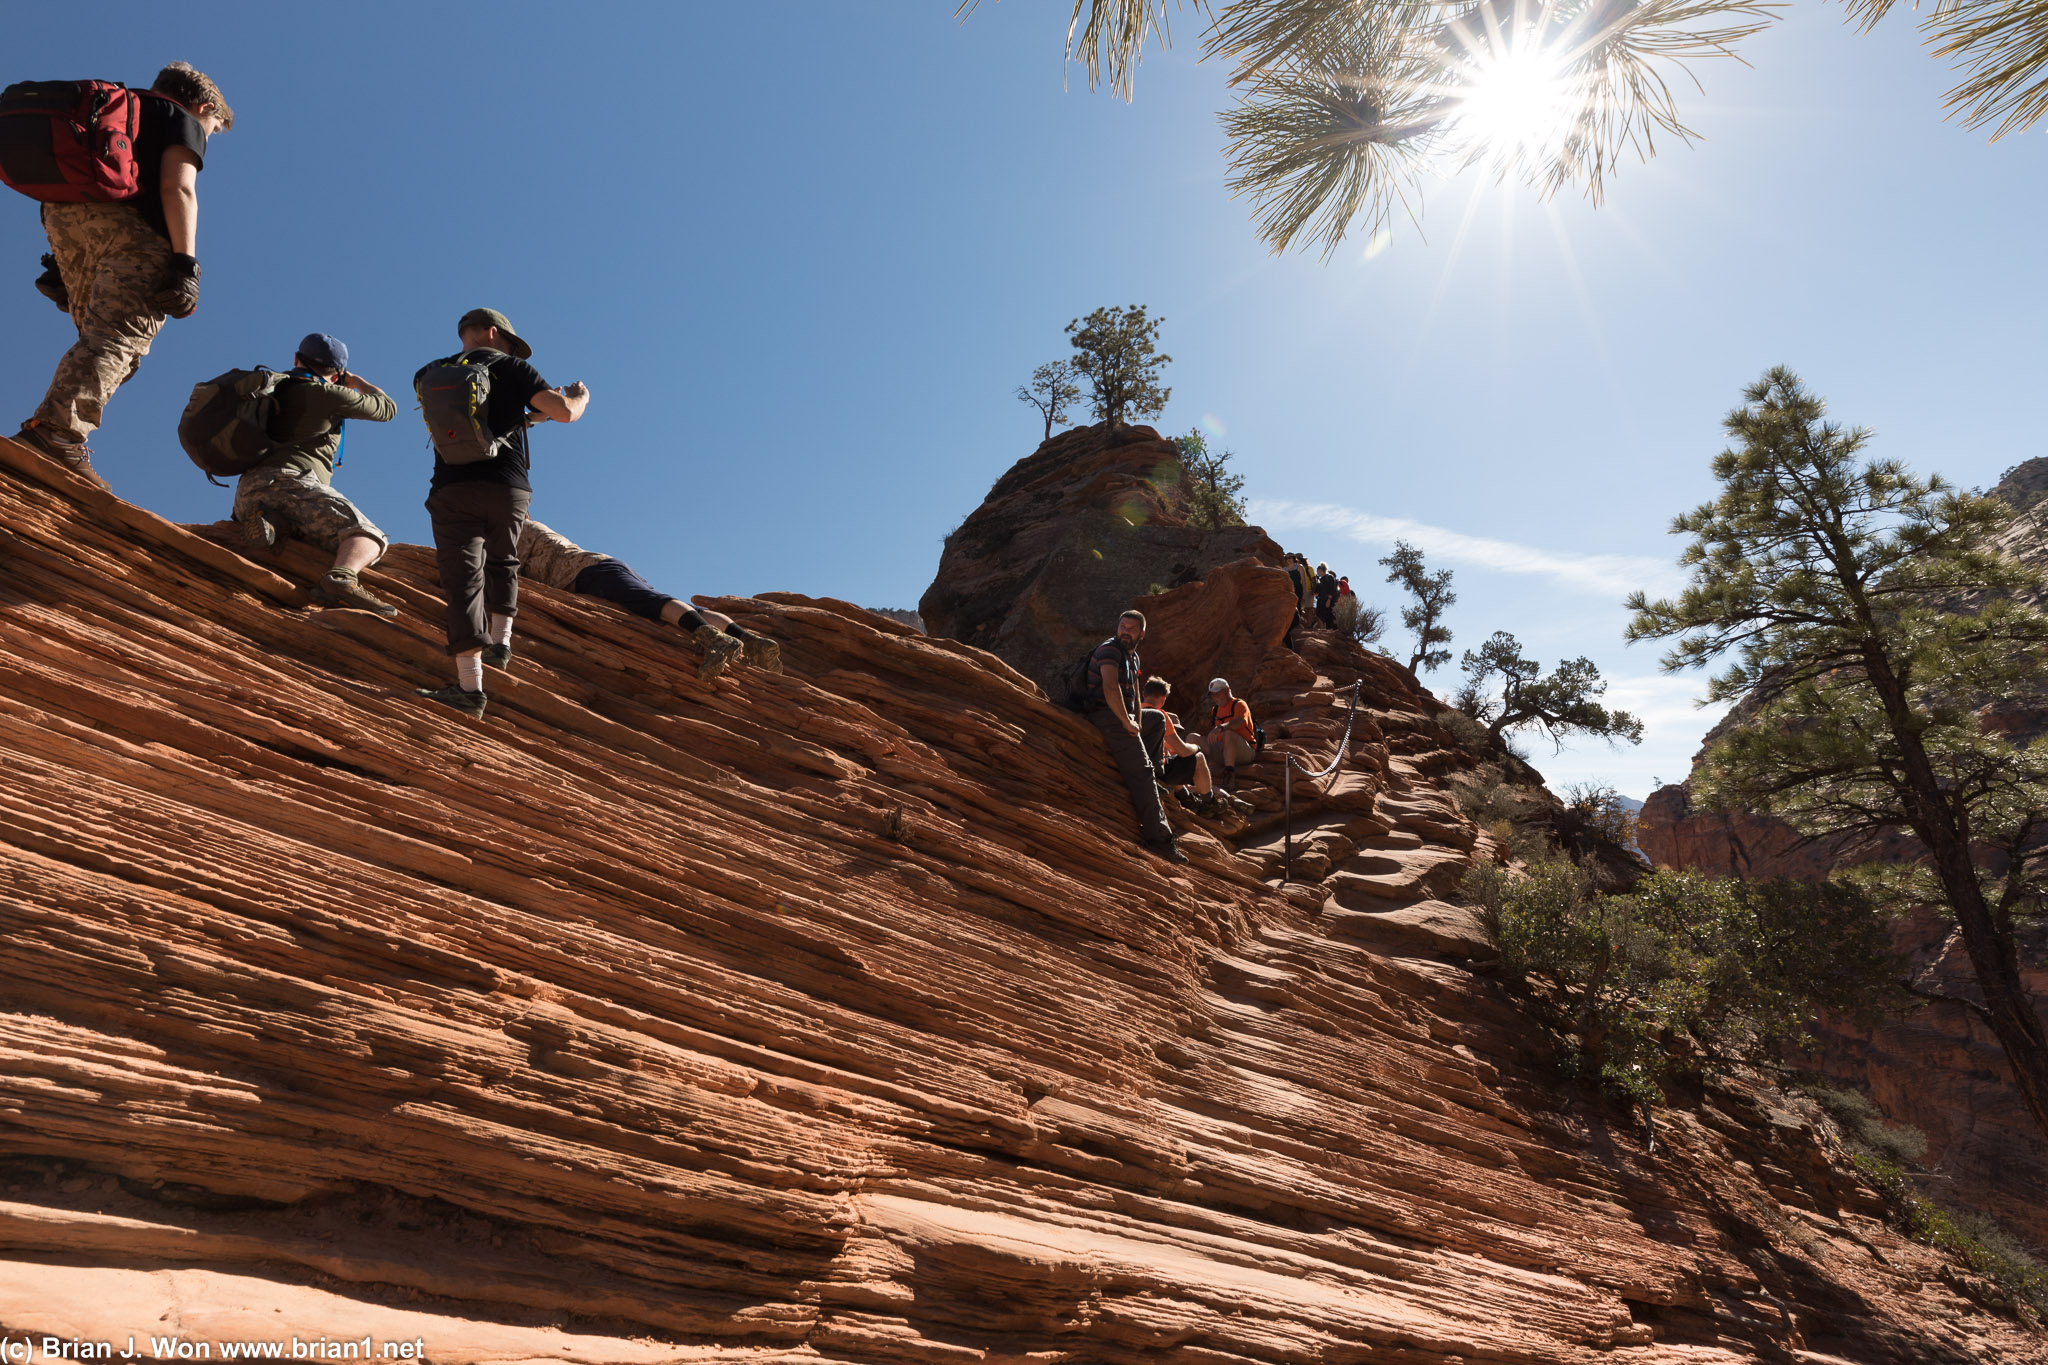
<point x="469" y="672"/>
<point x="501" y="629"/>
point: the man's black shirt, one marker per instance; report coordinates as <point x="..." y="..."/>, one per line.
<point x="513" y="385"/>
<point x="163" y="124"/>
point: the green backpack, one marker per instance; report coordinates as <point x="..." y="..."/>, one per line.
<point x="226" y="426"/>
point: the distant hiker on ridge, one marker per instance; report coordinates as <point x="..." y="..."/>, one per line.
<point x="293" y="490"/>
<point x="477" y="404"/>
<point x="1326" y="596"/>
<point x="1105" y="689"/>
<point x="122" y="232"/>
<point x="549" y="557"/>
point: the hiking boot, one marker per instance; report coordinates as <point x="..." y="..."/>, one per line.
<point x="73" y="457"/>
<point x="762" y="652"/>
<point x="719" y="649"/>
<point x="1167" y="849"/>
<point x="256" y="529"/>
<point x="470" y="704"/>
<point x="340" y="589"/>
<point x="498" y="656"/>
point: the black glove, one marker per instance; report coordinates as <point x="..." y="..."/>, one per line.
<point x="50" y="284"/>
<point x="177" y="289"/>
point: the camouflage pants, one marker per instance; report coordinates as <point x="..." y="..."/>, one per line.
<point x="111" y="261"/>
<point x="302" y="507"/>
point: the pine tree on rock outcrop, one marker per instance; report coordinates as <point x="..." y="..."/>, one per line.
<point x="1116" y="351"/>
<point x="1562" y="704"/>
<point x="1052" y="391"/>
<point x="1209" y="496"/>
<point x="1870" y="617"/>
<point x="1433" y="597"/>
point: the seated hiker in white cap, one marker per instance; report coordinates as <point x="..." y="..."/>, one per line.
<point x="547" y="556"/>
<point x="1232" y="738"/>
<point x="292" y="492"/>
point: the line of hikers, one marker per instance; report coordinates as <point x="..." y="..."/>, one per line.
<point x="116" y="171"/>
<point x="1147" y="742"/>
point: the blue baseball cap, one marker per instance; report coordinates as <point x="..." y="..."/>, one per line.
<point x="323" y="350"/>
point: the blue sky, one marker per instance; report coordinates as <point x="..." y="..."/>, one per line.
<point x="803" y="253"/>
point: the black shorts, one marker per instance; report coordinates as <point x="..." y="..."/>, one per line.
<point x="1178" y="772"/>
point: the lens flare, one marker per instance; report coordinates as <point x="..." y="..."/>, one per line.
<point x="1515" y="103"/>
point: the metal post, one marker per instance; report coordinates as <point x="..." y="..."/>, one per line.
<point x="1287" y="822"/>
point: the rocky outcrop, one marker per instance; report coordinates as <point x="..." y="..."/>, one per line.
<point x="1064" y="542"/>
<point x="1938" y="1068"/>
<point x="823" y="1017"/>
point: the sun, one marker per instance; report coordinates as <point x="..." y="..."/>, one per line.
<point x="1515" y="103"/>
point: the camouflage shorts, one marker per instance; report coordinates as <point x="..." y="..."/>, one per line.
<point x="302" y="507"/>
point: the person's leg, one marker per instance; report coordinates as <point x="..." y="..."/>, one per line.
<point x="759" y="651"/>
<point x="1240" y="751"/>
<point x="357" y="553"/>
<point x="459" y="530"/>
<point x="111" y="261"/>
<point x="1204" y="784"/>
<point x="505" y="518"/>
<point x="616" y="582"/>
<point x="1139" y="778"/>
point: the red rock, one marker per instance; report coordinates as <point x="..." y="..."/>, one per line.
<point x="828" y="1016"/>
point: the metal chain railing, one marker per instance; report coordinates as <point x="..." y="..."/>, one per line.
<point x="1287" y="788"/>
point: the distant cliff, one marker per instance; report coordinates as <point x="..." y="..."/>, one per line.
<point x="831" y="1016"/>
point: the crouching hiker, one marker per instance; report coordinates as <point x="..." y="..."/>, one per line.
<point x="1107" y="691"/>
<point x="1233" y="738"/>
<point x="549" y="557"/>
<point x="1187" y="765"/>
<point x="293" y="491"/>
<point x="477" y="405"/>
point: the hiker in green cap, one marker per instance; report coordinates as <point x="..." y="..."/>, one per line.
<point x="478" y="404"/>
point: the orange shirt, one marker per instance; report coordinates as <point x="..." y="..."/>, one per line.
<point x="1236" y="716"/>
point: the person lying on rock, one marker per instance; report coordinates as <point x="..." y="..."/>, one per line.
<point x="480" y="489"/>
<point x="1110" y="700"/>
<point x="1188" y="766"/>
<point x="292" y="492"/>
<point x="549" y="557"/>
<point x="1232" y="738"/>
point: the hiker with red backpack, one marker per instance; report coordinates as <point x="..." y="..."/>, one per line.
<point x="117" y="171"/>
<point x="292" y="490"/>
<point x="1103" y="686"/>
<point x="478" y="404"/>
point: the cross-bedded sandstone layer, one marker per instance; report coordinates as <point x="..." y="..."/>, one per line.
<point x="831" y="1016"/>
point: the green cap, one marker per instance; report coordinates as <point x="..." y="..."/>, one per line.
<point x="491" y="317"/>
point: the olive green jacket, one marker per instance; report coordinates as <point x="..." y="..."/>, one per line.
<point x="307" y="427"/>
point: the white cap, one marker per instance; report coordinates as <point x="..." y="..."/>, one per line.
<point x="1218" y="685"/>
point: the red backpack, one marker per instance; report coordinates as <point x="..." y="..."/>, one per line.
<point x="70" y="142"/>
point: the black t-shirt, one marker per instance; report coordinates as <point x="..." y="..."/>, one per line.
<point x="164" y="124"/>
<point x="1110" y="652"/>
<point x="513" y="385"/>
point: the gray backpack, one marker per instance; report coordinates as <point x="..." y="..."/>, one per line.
<point x="454" y="394"/>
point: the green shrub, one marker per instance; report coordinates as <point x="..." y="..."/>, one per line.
<point x="1683" y="972"/>
<point x="1997" y="1257"/>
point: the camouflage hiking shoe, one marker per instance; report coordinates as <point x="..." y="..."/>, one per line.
<point x="762" y="652"/>
<point x="719" y="649"/>
<point x="498" y="656"/>
<point x="340" y="589"/>
<point x="470" y="704"/>
<point x="256" y="529"/>
<point x="75" y="458"/>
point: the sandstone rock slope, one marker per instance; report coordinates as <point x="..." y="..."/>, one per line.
<point x="830" y="1016"/>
